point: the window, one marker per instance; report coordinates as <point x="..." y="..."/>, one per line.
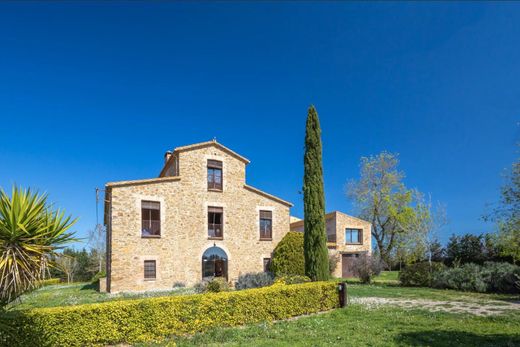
<point x="214" y="175"/>
<point x="215" y="222"/>
<point x="331" y="235"/>
<point x="149" y="269"/>
<point x="267" y="264"/>
<point x="266" y="225"/>
<point x="150" y="219"/>
<point x="353" y="236"/>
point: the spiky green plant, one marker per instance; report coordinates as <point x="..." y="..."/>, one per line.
<point x="31" y="231"/>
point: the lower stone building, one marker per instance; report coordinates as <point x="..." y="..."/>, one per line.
<point x="347" y="238"/>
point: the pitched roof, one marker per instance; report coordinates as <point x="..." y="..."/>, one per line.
<point x="267" y="195"/>
<point x="211" y="143"/>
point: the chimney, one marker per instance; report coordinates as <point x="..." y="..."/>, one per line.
<point x="167" y="156"/>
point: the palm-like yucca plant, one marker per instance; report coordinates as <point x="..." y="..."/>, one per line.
<point x="31" y="232"/>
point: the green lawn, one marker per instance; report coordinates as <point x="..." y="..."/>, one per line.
<point x="385" y="286"/>
<point x="359" y="326"/>
<point x="80" y="293"/>
<point x="356" y="325"/>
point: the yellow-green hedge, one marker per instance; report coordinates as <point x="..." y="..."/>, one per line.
<point x="154" y="318"/>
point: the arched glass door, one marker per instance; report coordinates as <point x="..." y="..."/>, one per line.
<point x="214" y="263"/>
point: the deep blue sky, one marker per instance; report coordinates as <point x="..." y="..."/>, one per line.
<point x="92" y="93"/>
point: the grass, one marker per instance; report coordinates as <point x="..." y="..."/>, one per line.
<point x="385" y="286"/>
<point x="360" y="326"/>
<point x="81" y="293"/>
<point x="355" y="325"/>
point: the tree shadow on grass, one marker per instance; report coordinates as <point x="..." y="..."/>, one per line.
<point x="456" y="338"/>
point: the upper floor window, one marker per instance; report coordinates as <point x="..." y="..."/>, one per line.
<point x="353" y="235"/>
<point x="150" y="219"/>
<point x="215" y="222"/>
<point x="266" y="225"/>
<point x="149" y="269"/>
<point x="214" y="175"/>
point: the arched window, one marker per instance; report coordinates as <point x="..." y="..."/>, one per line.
<point x="214" y="263"/>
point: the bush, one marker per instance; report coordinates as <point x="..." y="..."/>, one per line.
<point x="467" y="278"/>
<point x="294" y="279"/>
<point x="365" y="267"/>
<point x="419" y="274"/>
<point x="254" y="280"/>
<point x="288" y="256"/>
<point x="215" y="285"/>
<point x="492" y="277"/>
<point x="96" y="277"/>
<point x="501" y="277"/>
<point x="150" y="319"/>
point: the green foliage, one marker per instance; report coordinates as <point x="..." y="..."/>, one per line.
<point x="31" y="232"/>
<point x="475" y="249"/>
<point x="507" y="215"/>
<point x="315" y="237"/>
<point x="492" y="277"/>
<point x="420" y="274"/>
<point x="96" y="277"/>
<point x="217" y="285"/>
<point x="152" y="319"/>
<point x="288" y="256"/>
<point x="49" y="282"/>
<point x="394" y="210"/>
<point x="254" y="280"/>
<point x="292" y="279"/>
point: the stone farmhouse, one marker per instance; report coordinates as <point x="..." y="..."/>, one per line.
<point x="200" y="219"/>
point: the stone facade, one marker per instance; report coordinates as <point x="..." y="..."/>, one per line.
<point x="337" y="222"/>
<point x="182" y="191"/>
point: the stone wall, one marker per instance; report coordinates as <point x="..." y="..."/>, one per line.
<point x="184" y="236"/>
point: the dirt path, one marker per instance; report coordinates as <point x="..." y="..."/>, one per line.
<point x="487" y="308"/>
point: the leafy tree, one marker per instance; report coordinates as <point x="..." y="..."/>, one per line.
<point x="507" y="214"/>
<point x="288" y="256"/>
<point x="31" y="231"/>
<point x="381" y="198"/>
<point x="315" y="237"/>
<point x="466" y="248"/>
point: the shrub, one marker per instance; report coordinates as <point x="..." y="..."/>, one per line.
<point x="254" y="280"/>
<point x="365" y="267"/>
<point x="288" y="256"/>
<point x="467" y="278"/>
<point x="492" y="277"/>
<point x="501" y="277"/>
<point x="96" y="277"/>
<point x="215" y="285"/>
<point x="419" y="274"/>
<point x="294" y="279"/>
<point x="140" y="320"/>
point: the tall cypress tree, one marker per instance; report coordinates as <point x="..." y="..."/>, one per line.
<point x="315" y="236"/>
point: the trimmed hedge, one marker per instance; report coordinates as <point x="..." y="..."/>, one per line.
<point x="152" y="319"/>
